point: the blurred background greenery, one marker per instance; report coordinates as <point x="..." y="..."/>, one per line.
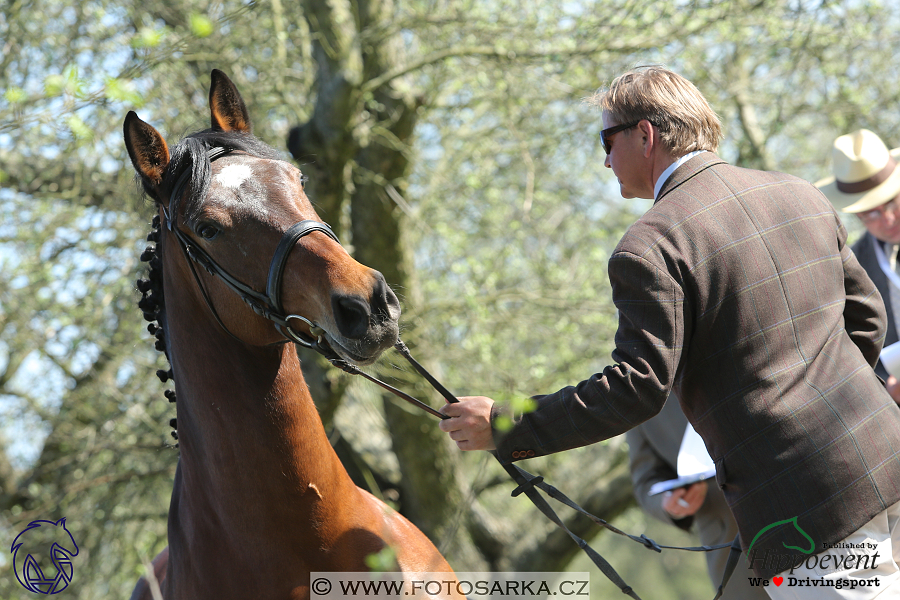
<point x="448" y="144"/>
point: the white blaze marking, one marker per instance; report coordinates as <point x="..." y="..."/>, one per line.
<point x="233" y="176"/>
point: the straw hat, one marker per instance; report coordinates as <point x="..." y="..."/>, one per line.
<point x="866" y="174"/>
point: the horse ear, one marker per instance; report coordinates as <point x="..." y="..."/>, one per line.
<point x="227" y="108"/>
<point x="147" y="149"/>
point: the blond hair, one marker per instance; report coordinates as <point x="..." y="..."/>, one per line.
<point x="669" y="101"/>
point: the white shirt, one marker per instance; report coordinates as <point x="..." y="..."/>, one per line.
<point x="668" y="172"/>
<point x="891" y="251"/>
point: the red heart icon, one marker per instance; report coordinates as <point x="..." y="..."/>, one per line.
<point x="778" y="580"/>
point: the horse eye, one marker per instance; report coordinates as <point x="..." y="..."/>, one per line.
<point x="207" y="231"/>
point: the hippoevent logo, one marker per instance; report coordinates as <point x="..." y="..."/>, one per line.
<point x="812" y="544"/>
<point x="39" y="549"/>
<point x="780" y="562"/>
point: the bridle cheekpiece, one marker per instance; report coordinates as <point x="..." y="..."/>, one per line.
<point x="268" y="304"/>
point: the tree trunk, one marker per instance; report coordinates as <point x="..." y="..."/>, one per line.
<point x="355" y="148"/>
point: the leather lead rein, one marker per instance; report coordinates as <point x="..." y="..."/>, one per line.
<point x="526" y="484"/>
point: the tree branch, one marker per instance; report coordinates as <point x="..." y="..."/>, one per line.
<point x="498" y="52"/>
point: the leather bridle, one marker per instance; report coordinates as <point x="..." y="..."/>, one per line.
<point x="268" y="304"/>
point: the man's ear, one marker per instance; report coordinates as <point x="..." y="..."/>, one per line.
<point x="649" y="137"/>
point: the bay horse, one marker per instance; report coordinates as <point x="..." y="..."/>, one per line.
<point x="260" y="499"/>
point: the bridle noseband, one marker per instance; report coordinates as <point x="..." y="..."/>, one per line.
<point x="268" y="304"/>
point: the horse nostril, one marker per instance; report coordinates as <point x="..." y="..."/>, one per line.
<point x="355" y="316"/>
<point x="351" y="314"/>
<point x="385" y="304"/>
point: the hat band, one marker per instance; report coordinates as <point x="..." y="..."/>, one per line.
<point x="857" y="187"/>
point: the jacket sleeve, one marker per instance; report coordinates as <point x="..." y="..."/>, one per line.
<point x="648" y="349"/>
<point x="865" y="317"/>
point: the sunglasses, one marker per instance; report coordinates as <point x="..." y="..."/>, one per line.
<point x="870" y="216"/>
<point x="606" y="134"/>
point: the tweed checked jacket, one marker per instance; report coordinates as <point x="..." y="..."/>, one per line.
<point x="737" y="292"/>
<point x="865" y="254"/>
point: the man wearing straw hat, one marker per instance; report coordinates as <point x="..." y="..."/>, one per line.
<point x="866" y="183"/>
<point x="738" y="294"/>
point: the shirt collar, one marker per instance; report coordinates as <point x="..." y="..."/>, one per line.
<point x="670" y="169"/>
<point x="890" y="251"/>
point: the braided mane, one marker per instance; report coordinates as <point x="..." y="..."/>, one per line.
<point x="189" y="154"/>
<point x="151" y="304"/>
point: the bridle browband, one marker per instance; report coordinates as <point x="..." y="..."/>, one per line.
<point x="268" y="304"/>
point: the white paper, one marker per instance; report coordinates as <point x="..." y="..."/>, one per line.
<point x="664" y="486"/>
<point x="693" y="465"/>
<point x="890" y="358"/>
<point x="693" y="457"/>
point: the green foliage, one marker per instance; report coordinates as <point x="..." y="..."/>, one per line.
<point x="67" y="83"/>
<point x="787" y="78"/>
<point x="201" y="25"/>
<point x="383" y="560"/>
<point x="123" y="91"/>
<point x="79" y="128"/>
<point x="15" y="95"/>
<point x="517" y="405"/>
<point x="77" y="359"/>
<point x="54" y="85"/>
<point x="148" y="37"/>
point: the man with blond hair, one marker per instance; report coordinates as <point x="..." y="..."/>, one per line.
<point x="737" y="294"/>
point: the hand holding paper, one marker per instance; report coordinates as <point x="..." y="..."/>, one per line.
<point x="694" y="464"/>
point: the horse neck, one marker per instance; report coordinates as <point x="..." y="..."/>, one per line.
<point x="248" y="431"/>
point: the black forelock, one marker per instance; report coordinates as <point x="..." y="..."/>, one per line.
<point x="191" y="153"/>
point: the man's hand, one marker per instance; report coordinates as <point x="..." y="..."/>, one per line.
<point x="470" y="423"/>
<point x="684" y="502"/>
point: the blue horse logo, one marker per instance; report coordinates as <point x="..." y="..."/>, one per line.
<point x="44" y="540"/>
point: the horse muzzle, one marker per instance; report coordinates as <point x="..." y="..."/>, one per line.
<point x="365" y="327"/>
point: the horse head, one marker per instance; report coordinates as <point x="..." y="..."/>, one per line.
<point x="242" y="264"/>
<point x="230" y="201"/>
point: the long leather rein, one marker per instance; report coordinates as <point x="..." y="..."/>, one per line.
<point x="269" y="306"/>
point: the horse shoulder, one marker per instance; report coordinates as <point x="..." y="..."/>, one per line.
<point x="415" y="552"/>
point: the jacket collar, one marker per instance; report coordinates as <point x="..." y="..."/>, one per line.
<point x="688" y="170"/>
